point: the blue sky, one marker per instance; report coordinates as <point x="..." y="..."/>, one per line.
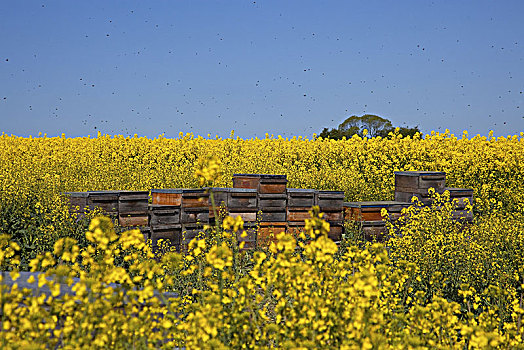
<point x="279" y="67"/>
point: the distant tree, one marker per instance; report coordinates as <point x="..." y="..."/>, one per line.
<point x="372" y="123"/>
<point x="375" y="126"/>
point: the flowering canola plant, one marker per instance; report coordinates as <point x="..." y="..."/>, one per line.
<point x="437" y="283"/>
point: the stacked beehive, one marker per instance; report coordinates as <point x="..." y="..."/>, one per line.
<point x="178" y="215"/>
<point x="242" y="202"/>
<point x="133" y="208"/>
<point x="331" y="203"/>
<point x="129" y="207"/>
<point x="368" y="215"/>
<point x="410" y="184"/>
<point x="272" y="199"/>
<point x="164" y="217"/>
<point x="299" y="203"/>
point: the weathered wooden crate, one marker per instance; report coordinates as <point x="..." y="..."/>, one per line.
<point x="133" y="219"/>
<point x="246" y="181"/>
<point x="331" y="215"/>
<point x="463" y="215"/>
<point x="272" y="184"/>
<point x="190" y="232"/>
<point x="330" y="200"/>
<point x="424" y="198"/>
<point x="77" y="201"/>
<point x="374" y="230"/>
<point x="272" y="200"/>
<point x="164" y="214"/>
<point x="372" y="210"/>
<point x="419" y="181"/>
<point x="272" y="215"/>
<point x="170" y="196"/>
<point x="298" y="197"/>
<point x="219" y="195"/>
<point x="194" y="215"/>
<point x="294" y="228"/>
<point x="268" y="231"/>
<point x="335" y="231"/>
<point x="195" y="198"/>
<point x="460" y="196"/>
<point x="298" y="214"/>
<point x="170" y="234"/>
<point x="242" y="198"/>
<point x="247" y="216"/>
<point x="133" y="202"/>
<point x="250" y="240"/>
<point x="105" y="200"/>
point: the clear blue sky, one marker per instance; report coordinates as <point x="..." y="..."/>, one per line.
<point x="282" y="67"/>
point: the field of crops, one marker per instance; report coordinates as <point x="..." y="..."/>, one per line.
<point x="436" y="284"/>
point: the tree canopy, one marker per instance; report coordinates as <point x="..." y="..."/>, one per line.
<point x="375" y="126"/>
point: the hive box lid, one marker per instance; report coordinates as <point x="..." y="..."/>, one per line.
<point x="76" y="194"/>
<point x="301" y="190"/>
<point x="177" y="190"/>
<point x="419" y="173"/>
<point x="375" y="204"/>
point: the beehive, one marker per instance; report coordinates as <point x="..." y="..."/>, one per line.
<point x="133" y="208"/>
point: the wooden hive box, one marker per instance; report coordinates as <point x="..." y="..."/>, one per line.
<point x="133" y="208"/>
<point x="335" y="231"/>
<point x="272" y="215"/>
<point x="77" y="201"/>
<point x="170" y="196"/>
<point x="190" y="232"/>
<point x="419" y="181"/>
<point x="372" y="210"/>
<point x="246" y="181"/>
<point x="272" y="184"/>
<point x="330" y="200"/>
<point x="461" y="195"/>
<point x="194" y="207"/>
<point x="272" y="201"/>
<point x="171" y="234"/>
<point x="374" y="230"/>
<point x="301" y="198"/>
<point x="161" y="215"/>
<point x="250" y="240"/>
<point x="268" y="231"/>
<point x="105" y="200"/>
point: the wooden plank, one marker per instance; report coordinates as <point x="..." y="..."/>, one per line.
<point x="298" y="214"/>
<point x="170" y="234"/>
<point x="270" y="216"/>
<point x="129" y="220"/>
<point x="246" y="181"/>
<point x="194" y="216"/>
<point x="272" y="188"/>
<point x="333" y="215"/>
<point x="246" y="216"/>
<point x="166" y="196"/>
<point x="267" y="232"/>
<point x="164" y="215"/>
<point x="272" y="201"/>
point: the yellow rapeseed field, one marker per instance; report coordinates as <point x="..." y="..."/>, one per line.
<point x="437" y="284"/>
